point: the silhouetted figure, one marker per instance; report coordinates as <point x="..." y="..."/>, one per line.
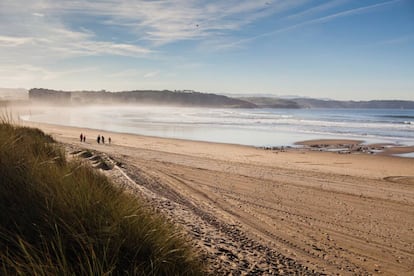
<point x="109" y="140"/>
<point x="84" y="138"/>
<point x="103" y="139"/>
<point x="98" y="139"/>
<point x="81" y="137"/>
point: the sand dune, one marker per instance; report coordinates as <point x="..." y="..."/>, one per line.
<point x="267" y="212"/>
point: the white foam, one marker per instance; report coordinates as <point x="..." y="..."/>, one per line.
<point x="200" y="123"/>
<point x="407" y="155"/>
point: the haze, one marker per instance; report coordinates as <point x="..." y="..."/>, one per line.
<point x="341" y="49"/>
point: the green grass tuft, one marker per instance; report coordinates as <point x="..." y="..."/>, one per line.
<point x="63" y="218"/>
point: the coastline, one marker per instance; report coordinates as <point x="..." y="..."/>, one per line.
<point x="271" y="128"/>
<point x="359" y="163"/>
<point x="281" y="210"/>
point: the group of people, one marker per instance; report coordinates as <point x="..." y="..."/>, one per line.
<point x="99" y="139"/>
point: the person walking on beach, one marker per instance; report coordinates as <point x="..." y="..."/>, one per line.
<point x="103" y="139"/>
<point x="98" y="139"/>
<point x="81" y="137"/>
<point x="84" y="138"/>
<point x="109" y="140"/>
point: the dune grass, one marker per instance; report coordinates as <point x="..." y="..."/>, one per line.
<point x="63" y="218"/>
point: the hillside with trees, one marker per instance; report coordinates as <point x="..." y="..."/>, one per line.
<point x="191" y="98"/>
<point x="143" y="97"/>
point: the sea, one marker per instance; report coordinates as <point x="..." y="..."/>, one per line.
<point x="264" y="127"/>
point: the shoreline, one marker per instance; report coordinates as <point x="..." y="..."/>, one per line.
<point x="228" y="134"/>
<point x="361" y="164"/>
<point x="320" y="158"/>
<point x="340" y="146"/>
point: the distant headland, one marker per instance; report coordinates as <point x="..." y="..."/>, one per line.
<point x="190" y="98"/>
<point x="144" y="97"/>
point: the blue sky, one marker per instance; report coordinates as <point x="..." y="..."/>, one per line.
<point x="339" y="49"/>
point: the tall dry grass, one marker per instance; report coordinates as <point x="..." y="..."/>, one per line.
<point x="63" y="218"/>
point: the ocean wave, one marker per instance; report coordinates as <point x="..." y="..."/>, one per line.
<point x="161" y="120"/>
<point x="400" y="116"/>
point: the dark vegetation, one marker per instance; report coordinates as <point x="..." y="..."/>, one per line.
<point x="147" y="97"/>
<point x="197" y="99"/>
<point x="386" y="104"/>
<point x="60" y="217"/>
<point x="272" y="102"/>
<point x="267" y="102"/>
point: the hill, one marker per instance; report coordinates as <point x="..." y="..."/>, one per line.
<point x="273" y="102"/>
<point x="269" y="102"/>
<point x="147" y="97"/>
<point x="198" y="99"/>
<point x="386" y="104"/>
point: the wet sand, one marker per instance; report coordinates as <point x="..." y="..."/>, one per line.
<point x="355" y="146"/>
<point x="256" y="211"/>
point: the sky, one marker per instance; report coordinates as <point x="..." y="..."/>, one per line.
<point x="339" y="49"/>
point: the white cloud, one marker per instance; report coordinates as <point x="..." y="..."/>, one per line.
<point x="23" y="73"/>
<point x="151" y="74"/>
<point x="27" y="72"/>
<point x="125" y="74"/>
<point x="62" y="43"/>
<point x="47" y="35"/>
<point x="48" y="31"/>
<point x="10" y="41"/>
<point x="160" y="21"/>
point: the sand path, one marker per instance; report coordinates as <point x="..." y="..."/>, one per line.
<point x="265" y="212"/>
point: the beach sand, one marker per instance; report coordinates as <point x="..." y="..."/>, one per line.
<point x="256" y="211"/>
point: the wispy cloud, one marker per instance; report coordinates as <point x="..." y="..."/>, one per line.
<point x="27" y="73"/>
<point x="63" y="43"/>
<point x="53" y="30"/>
<point x="37" y="32"/>
<point x="122" y="74"/>
<point x="398" y="40"/>
<point x="322" y="19"/>
<point x="409" y="38"/>
<point x="349" y="12"/>
<point x="317" y="9"/>
<point x="10" y="41"/>
<point x="164" y="21"/>
<point x="155" y="23"/>
<point x="151" y="74"/>
<point x="50" y="30"/>
<point x="38" y="37"/>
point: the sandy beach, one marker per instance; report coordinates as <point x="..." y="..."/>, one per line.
<point x="281" y="211"/>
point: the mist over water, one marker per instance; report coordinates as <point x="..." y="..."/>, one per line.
<point x="256" y="127"/>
